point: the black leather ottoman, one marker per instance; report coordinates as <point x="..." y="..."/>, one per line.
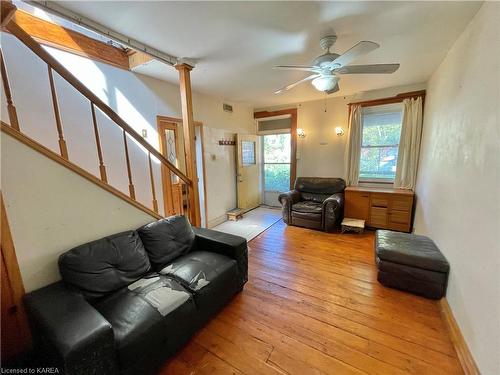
<point x="412" y="263"/>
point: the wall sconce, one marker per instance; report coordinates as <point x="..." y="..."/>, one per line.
<point x="301" y="133"/>
<point x="339" y="131"/>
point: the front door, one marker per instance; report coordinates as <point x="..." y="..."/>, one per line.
<point x="247" y="171"/>
<point x="276" y="166"/>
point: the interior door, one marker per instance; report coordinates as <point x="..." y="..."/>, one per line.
<point x="248" y="167"/>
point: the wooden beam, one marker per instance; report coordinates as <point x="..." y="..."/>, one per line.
<point x="137" y="59"/>
<point x="7" y="11"/>
<point x="189" y="141"/>
<point x="59" y="37"/>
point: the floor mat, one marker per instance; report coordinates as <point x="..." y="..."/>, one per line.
<point x="253" y="223"/>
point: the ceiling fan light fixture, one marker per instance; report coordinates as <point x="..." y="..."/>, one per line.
<point x="324" y="83"/>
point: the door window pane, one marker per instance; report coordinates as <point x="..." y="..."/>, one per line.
<point x="276" y="177"/>
<point x="247" y="152"/>
<point x="380" y="142"/>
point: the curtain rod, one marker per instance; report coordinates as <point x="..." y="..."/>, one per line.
<point x="394" y="99"/>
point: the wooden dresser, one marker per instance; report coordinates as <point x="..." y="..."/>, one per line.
<point x="380" y="207"/>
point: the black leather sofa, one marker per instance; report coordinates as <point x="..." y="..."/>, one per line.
<point x="315" y="202"/>
<point x="128" y="301"/>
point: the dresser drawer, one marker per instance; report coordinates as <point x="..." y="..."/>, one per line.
<point x="379" y="201"/>
<point x="378" y="217"/>
<point x="399" y="217"/>
<point x="402" y="204"/>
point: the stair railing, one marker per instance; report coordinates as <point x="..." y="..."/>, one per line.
<point x="95" y="101"/>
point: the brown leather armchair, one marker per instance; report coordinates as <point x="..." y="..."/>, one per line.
<point x="315" y="202"/>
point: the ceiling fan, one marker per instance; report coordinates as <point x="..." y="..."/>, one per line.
<point x="327" y="67"/>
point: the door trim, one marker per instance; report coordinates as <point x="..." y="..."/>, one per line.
<point x="166" y="183"/>
<point x="293" y="131"/>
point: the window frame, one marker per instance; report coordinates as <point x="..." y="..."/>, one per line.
<point x="368" y="180"/>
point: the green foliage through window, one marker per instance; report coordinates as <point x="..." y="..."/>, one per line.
<point x="277" y="162"/>
<point x="380" y="143"/>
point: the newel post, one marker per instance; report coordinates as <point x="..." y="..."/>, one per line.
<point x="189" y="141"/>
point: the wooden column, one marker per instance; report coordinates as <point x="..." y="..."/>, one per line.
<point x="189" y="141"/>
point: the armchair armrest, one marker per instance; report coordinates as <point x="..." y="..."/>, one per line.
<point x="76" y="336"/>
<point x="337" y="200"/>
<point x="333" y="211"/>
<point x="230" y="245"/>
<point x="293" y="196"/>
<point x="287" y="200"/>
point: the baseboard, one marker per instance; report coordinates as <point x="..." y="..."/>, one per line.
<point x="464" y="355"/>
<point x="216" y="221"/>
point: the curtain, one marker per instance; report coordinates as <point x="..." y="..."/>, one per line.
<point x="353" y="148"/>
<point x="409" y="144"/>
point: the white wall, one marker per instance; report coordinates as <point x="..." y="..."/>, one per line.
<point x="52" y="209"/>
<point x="458" y="183"/>
<point x="321" y="153"/>
<point x="137" y="99"/>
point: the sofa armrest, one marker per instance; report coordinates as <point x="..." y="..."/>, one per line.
<point x="230" y="245"/>
<point x="333" y="211"/>
<point x="293" y="196"/>
<point x="77" y="337"/>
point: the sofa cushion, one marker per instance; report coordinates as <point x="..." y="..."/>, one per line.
<point x="105" y="265"/>
<point x="146" y="315"/>
<point x="308" y="207"/>
<point x="410" y="249"/>
<point x="212" y="278"/>
<point x="167" y="239"/>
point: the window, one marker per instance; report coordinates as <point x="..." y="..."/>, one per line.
<point x="380" y="142"/>
<point x="276" y="151"/>
<point x="247" y="152"/>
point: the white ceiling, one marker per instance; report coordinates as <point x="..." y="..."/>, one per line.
<point x="237" y="44"/>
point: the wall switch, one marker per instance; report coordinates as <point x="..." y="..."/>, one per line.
<point x="144" y="133"/>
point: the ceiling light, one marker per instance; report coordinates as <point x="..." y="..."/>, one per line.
<point x="324" y="83"/>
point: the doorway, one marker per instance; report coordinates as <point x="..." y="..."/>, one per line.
<point x="171" y="140"/>
<point x="276" y="166"/>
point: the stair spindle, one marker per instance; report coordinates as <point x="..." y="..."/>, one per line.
<point x="62" y="143"/>
<point x="11" y="109"/>
<point x="131" y="188"/>
<point x="102" y="168"/>
<point x="153" y="191"/>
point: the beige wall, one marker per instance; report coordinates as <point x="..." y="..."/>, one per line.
<point x="52" y="209"/>
<point x="321" y="153"/>
<point x="136" y="98"/>
<point x="459" y="182"/>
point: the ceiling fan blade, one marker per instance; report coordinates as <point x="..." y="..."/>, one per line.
<point x="368" y="69"/>
<point x="360" y="49"/>
<point x="335" y="89"/>
<point x="292" y="85"/>
<point x="298" y="67"/>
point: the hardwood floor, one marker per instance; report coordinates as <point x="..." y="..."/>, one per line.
<point x="312" y="305"/>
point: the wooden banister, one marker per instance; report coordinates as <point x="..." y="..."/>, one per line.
<point x="62" y="142"/>
<point x="102" y="167"/>
<point x="153" y="190"/>
<point x="11" y="109"/>
<point x="131" y="188"/>
<point x="36" y="48"/>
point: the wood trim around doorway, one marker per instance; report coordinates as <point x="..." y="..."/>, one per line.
<point x="166" y="183"/>
<point x="293" y="131"/>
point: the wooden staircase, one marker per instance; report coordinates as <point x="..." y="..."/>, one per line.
<point x="190" y="208"/>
